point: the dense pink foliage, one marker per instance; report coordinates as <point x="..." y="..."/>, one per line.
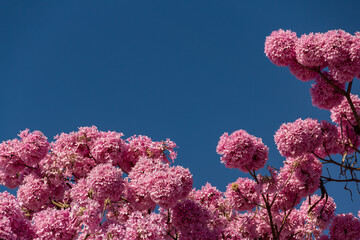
<point x="10" y="161"/>
<point x="34" y="193"/>
<point x="345" y="227"/>
<point x="301" y="72"/>
<point x="34" y="147"/>
<point x="309" y="50"/>
<point x="192" y="220"/>
<point x="325" y="96"/>
<point x="242" y="150"/>
<point x="55" y="224"/>
<point x="242" y="194"/>
<point x="13" y="223"/>
<point x="355" y="53"/>
<point x="105" y="182"/>
<point x="280" y="47"/>
<point x="319" y="211"/>
<point x="299" y="178"/>
<point x="95" y="185"/>
<point x="331" y="141"/>
<point x="343" y="115"/>
<point x="299" y="137"/>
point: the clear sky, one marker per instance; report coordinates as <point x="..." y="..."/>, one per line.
<point x="184" y="70"/>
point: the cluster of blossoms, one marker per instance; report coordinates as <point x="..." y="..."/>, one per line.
<point x="94" y="185"/>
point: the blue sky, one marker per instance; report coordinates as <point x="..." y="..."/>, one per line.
<point x="184" y="70"/>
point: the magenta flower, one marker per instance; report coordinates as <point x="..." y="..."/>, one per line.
<point x="309" y="51"/>
<point x="55" y="224"/>
<point x="336" y="46"/>
<point x="325" y="96"/>
<point x="345" y="227"/>
<point x="331" y="140"/>
<point x="10" y="181"/>
<point x="105" y="181"/>
<point x="192" y="220"/>
<point x="280" y="47"/>
<point x="298" y="138"/>
<point x="170" y="185"/>
<point x="302" y="73"/>
<point x="13" y="223"/>
<point x="342" y="114"/>
<point x="150" y="227"/>
<point x="34" y="193"/>
<point x="143" y="146"/>
<point x="108" y="148"/>
<point x="355" y="52"/>
<point x="242" y="150"/>
<point x="208" y="196"/>
<point x="300" y="177"/>
<point x="72" y="152"/>
<point x="242" y="227"/>
<point x="34" y="147"/>
<point x="322" y="213"/>
<point x="10" y="161"/>
<point x="242" y="194"/>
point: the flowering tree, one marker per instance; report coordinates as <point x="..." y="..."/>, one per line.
<point x="92" y="184"/>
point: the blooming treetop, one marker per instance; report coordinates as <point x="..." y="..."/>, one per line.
<point x="91" y="184"/>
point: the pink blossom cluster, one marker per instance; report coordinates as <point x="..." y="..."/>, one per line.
<point x="70" y="187"/>
<point x="299" y="137"/>
<point x="332" y="59"/>
<point x="307" y="55"/>
<point x="242" y="150"/>
<point x="154" y="200"/>
<point x="94" y="185"/>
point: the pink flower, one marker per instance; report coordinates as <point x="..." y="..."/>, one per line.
<point x="10" y="161"/>
<point x="150" y="227"/>
<point x="242" y="227"/>
<point x="308" y="50"/>
<point x="141" y="182"/>
<point x="325" y="96"/>
<point x="55" y="224"/>
<point x="345" y="227"/>
<point x="242" y="194"/>
<point x="34" y="193"/>
<point x="322" y="211"/>
<point x="192" y="220"/>
<point x="213" y="200"/>
<point x="34" y="147"/>
<point x="115" y="231"/>
<point x="89" y="212"/>
<point x="342" y="114"/>
<point x="119" y="212"/>
<point x="301" y="72"/>
<point x="170" y="185"/>
<point x="336" y="46"/>
<point x="280" y="47"/>
<point x="299" y="137"/>
<point x="13" y="223"/>
<point x="155" y="182"/>
<point x="72" y="152"/>
<point x="208" y="196"/>
<point x="344" y="72"/>
<point x="331" y="140"/>
<point x="300" y="177"/>
<point x="143" y="146"/>
<point x="242" y="150"/>
<point x="105" y="181"/>
<point x="348" y="139"/>
<point x="355" y="52"/>
<point x="10" y="181"/>
<point x="108" y="147"/>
